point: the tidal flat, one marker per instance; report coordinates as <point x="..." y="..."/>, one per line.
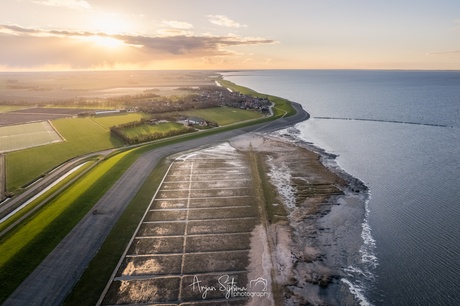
<point x="314" y="220"/>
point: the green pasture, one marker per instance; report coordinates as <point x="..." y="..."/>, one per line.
<point x="17" y="137"/>
<point x="223" y="115"/>
<point x="82" y="136"/>
<point x="150" y="129"/>
<point x="109" y="121"/>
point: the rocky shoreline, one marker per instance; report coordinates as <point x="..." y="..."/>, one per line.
<point x="317" y="235"/>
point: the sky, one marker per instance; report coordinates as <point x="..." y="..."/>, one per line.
<point x="48" y="35"/>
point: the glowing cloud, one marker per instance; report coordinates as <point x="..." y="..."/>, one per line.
<point x="83" y="49"/>
<point x="224" y="21"/>
<point x="177" y="24"/>
<point x="169" y="32"/>
<point x="71" y="4"/>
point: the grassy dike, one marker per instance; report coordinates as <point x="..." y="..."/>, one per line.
<point x="14" y="269"/>
<point x="4" y="225"/>
<point x="282" y="106"/>
<point x="26" y="245"/>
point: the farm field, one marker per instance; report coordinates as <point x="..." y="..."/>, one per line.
<point x="109" y="121"/>
<point x="10" y="108"/>
<point x="36" y="114"/>
<point x="94" y="108"/>
<point x="96" y="84"/>
<point x="223" y="115"/>
<point x="18" y="137"/>
<point x="150" y="129"/>
<point x="82" y="135"/>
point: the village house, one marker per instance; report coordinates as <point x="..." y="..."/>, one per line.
<point x="196" y="120"/>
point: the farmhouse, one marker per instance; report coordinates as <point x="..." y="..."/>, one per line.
<point x="196" y="120"/>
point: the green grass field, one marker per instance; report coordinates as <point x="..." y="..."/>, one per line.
<point x="150" y="129"/>
<point x="109" y="121"/>
<point x="10" y="108"/>
<point x="82" y="135"/>
<point x="22" y="136"/>
<point x="223" y="115"/>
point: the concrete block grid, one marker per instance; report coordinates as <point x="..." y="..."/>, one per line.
<point x="198" y="226"/>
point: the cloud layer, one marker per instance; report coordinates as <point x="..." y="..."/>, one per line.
<point x="71" y="4"/>
<point x="31" y="47"/>
<point x="177" y="24"/>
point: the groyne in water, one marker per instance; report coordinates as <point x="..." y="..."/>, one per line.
<point x="379" y="120"/>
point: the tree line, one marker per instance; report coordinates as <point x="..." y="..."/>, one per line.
<point x="117" y="131"/>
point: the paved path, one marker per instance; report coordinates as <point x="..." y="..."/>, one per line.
<point x="2" y="177"/>
<point x="51" y="281"/>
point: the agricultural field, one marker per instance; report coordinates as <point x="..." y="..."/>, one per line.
<point x="82" y="135"/>
<point x="150" y="129"/>
<point x="10" y="108"/>
<point x="36" y="114"/>
<point x="109" y="121"/>
<point x="95" y="108"/>
<point x="23" y="136"/>
<point x="223" y="115"/>
<point x="57" y="86"/>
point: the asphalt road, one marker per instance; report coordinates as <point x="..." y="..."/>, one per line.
<point x="51" y="281"/>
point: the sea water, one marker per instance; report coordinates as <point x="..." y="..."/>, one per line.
<point x="411" y="235"/>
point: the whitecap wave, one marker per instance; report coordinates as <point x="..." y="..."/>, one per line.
<point x="357" y="291"/>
